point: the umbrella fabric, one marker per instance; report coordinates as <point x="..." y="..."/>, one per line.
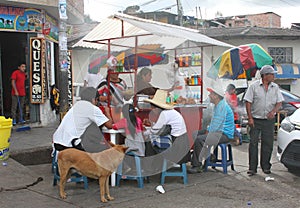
<point x="240" y="62"/>
<point x="96" y="63"/>
<point x="100" y="61"/>
<point x="129" y="62"/>
<point x="145" y="59"/>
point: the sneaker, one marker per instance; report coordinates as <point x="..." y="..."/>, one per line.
<point x="14" y="122"/>
<point x="21" y="121"/>
<point x="251" y="172"/>
<point x="268" y="171"/>
<point x="195" y="169"/>
<point x="213" y="158"/>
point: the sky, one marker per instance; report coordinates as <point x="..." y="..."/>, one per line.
<point x="289" y="10"/>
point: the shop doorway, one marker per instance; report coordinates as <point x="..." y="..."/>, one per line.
<point x="13" y="49"/>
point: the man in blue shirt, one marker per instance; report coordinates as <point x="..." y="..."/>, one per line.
<point x="220" y="130"/>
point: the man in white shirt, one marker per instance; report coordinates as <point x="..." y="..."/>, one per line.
<point x="263" y="100"/>
<point x="78" y="119"/>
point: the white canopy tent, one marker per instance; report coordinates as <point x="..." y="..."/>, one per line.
<point x="121" y="32"/>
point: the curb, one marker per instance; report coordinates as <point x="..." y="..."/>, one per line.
<point x="34" y="156"/>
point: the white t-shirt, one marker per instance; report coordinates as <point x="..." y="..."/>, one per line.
<point x="93" y="80"/>
<point x="173" y="118"/>
<point x="76" y="121"/>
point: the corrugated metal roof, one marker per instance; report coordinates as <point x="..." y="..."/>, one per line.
<point x="247" y="32"/>
<point x="168" y="36"/>
<point x="163" y="29"/>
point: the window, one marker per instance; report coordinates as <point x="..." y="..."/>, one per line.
<point x="281" y="55"/>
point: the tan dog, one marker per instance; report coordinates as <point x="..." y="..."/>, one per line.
<point x="93" y="165"/>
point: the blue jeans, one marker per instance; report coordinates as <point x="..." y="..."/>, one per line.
<point x="14" y="106"/>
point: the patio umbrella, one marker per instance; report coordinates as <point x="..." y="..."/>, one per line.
<point x="240" y="62"/>
<point x="100" y="61"/>
<point x="144" y="59"/>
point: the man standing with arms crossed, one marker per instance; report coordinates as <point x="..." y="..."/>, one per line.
<point x="263" y="100"/>
<point x="18" y="92"/>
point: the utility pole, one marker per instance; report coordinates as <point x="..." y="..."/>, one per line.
<point x="180" y="12"/>
<point x="63" y="57"/>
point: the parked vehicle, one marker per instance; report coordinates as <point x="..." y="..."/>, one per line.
<point x="288" y="141"/>
<point x="290" y="104"/>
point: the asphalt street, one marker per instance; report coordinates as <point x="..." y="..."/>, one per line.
<point x="32" y="185"/>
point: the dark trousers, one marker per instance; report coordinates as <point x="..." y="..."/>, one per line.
<point x="264" y="129"/>
<point x="15" y="106"/>
<point x="203" y="143"/>
<point x="60" y="147"/>
<point x="178" y="153"/>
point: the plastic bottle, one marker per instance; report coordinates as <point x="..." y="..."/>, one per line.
<point x="168" y="100"/>
<point x="192" y="80"/>
<point x="196" y="79"/>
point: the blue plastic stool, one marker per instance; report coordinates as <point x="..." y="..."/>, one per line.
<point x="165" y="173"/>
<point x="224" y="162"/>
<point x="75" y="177"/>
<point x="138" y="177"/>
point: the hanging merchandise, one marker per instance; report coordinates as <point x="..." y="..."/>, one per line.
<point x="63" y="9"/>
<point x="54" y="99"/>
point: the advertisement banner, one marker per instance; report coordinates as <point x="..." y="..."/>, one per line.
<point x="37" y="70"/>
<point x="62" y="9"/>
<point x="50" y="29"/>
<point x="70" y="79"/>
<point x="20" y="19"/>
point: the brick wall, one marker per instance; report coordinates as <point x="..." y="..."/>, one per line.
<point x="269" y="20"/>
<point x="265" y="20"/>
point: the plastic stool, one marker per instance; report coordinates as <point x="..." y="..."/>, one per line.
<point x="224" y="162"/>
<point x="75" y="177"/>
<point x="138" y="176"/>
<point x="165" y="173"/>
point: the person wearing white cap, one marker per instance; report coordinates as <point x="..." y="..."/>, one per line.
<point x="116" y="90"/>
<point x="220" y="130"/>
<point x="263" y="99"/>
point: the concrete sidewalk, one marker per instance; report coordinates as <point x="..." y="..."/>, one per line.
<point x="32" y="147"/>
<point x="32" y="185"/>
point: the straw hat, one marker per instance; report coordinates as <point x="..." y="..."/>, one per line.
<point x="159" y="100"/>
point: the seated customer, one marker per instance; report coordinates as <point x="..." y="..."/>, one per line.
<point x="220" y="130"/>
<point x="133" y="129"/>
<point x="179" y="151"/>
<point x="78" y="119"/>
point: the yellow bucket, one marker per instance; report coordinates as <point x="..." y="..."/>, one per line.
<point x="5" y="132"/>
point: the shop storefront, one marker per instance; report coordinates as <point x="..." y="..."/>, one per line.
<point x="29" y="35"/>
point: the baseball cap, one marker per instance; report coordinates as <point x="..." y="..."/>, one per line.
<point x="218" y="91"/>
<point x="267" y="69"/>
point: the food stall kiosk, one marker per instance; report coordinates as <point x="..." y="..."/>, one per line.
<point x="187" y="57"/>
